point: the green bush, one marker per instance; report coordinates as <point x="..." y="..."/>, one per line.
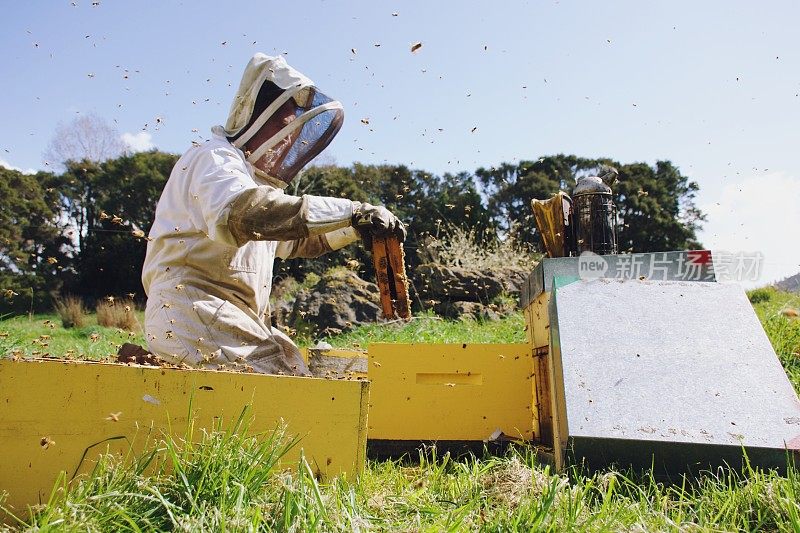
<point x="764" y="294"/>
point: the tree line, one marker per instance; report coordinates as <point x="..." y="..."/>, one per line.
<point x="83" y="231"/>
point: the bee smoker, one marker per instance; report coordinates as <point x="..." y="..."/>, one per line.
<point x="594" y="214"/>
<point x="585" y="222"/>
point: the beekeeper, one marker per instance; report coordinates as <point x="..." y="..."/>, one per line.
<point x="223" y="217"/>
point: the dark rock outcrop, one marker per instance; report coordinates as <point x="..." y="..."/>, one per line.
<point x="454" y="292"/>
<point x="512" y="280"/>
<point x="452" y="284"/>
<point x="337" y="303"/>
<point x="476" y="310"/>
<point x="790" y="284"/>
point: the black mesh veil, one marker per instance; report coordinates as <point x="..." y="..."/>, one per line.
<point x="318" y="119"/>
<point x="315" y="135"/>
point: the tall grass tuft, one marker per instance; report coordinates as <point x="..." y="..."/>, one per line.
<point x="465" y="248"/>
<point x="115" y="313"/>
<point x="223" y="479"/>
<point x="71" y="310"/>
<point x="228" y="481"/>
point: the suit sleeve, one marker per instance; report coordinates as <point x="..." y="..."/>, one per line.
<point x="317" y="245"/>
<point x="235" y="209"/>
<point x="267" y="213"/>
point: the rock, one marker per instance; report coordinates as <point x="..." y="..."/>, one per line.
<point x="281" y="312"/>
<point x="281" y="300"/>
<point x="455" y="310"/>
<point x="790" y="284"/>
<point x="452" y="284"/>
<point x="337" y="303"/>
<point x="512" y="280"/>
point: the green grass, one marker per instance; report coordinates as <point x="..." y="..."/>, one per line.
<point x="430" y="328"/>
<point x="783" y="332"/>
<point x="43" y="335"/>
<point x="226" y="480"/>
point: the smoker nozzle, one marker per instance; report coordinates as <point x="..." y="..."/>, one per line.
<point x="609" y="176"/>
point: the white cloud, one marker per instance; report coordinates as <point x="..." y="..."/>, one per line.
<point x="758" y="214"/>
<point x="4" y="163"/>
<point x="138" y="142"/>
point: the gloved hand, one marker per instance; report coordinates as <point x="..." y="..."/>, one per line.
<point x="369" y="220"/>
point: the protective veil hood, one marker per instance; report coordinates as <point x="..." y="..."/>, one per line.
<point x="261" y="68"/>
<point x="289" y="128"/>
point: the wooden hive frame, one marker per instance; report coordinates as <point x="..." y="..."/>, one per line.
<point x="390" y="273"/>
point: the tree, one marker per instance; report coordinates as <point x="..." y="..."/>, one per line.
<point x="33" y="249"/>
<point x="85" y="228"/>
<point x="425" y="202"/>
<point x="85" y="138"/>
<point x="511" y="187"/>
<point x="656" y="207"/>
<point x="112" y="206"/>
<point x="77" y="192"/>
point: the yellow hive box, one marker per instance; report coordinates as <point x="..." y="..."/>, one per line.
<point x="451" y="392"/>
<point x="54" y="412"/>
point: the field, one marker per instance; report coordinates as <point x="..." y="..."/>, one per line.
<point x="227" y="481"/>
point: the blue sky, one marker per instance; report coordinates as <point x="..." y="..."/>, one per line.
<point x="712" y="86"/>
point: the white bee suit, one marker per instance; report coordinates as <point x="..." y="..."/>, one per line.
<point x="208" y="298"/>
<point x="218" y="227"/>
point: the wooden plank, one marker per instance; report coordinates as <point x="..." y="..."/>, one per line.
<point x="551" y="380"/>
<point x="538" y="331"/>
<point x="535" y="388"/>
<point x="75" y="405"/>
<point x="541" y="370"/>
<point x="456" y="392"/>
